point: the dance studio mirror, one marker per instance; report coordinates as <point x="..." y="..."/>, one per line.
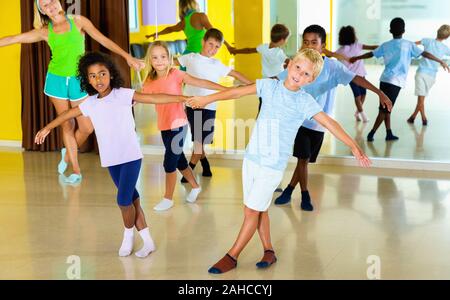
<point x="371" y="20"/>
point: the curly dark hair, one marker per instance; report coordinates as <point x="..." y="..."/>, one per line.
<point x="347" y="36"/>
<point x="93" y="58"/>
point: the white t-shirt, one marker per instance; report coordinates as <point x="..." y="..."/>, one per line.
<point x="272" y="60"/>
<point x="203" y="67"/>
<point x="114" y="126"/>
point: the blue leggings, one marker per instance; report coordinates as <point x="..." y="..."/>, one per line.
<point x="173" y="142"/>
<point x="125" y="177"/>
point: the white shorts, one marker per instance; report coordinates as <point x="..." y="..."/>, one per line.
<point x="424" y="83"/>
<point x="259" y="183"/>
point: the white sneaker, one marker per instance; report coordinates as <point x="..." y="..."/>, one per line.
<point x="165" y="204"/>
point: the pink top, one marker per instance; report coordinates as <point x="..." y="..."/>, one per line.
<point x="172" y="115"/>
<point x="350" y="51"/>
<point x="114" y="126"/>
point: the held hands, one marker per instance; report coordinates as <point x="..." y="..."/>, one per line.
<point x="353" y="59"/>
<point x="231" y="49"/>
<point x="362" y="158"/>
<point x="137" y="64"/>
<point x="151" y="36"/>
<point x="196" y="102"/>
<point x="41" y="135"/>
<point x="445" y="66"/>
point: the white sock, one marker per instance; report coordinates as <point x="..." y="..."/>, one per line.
<point x="192" y="197"/>
<point x="357" y="116"/>
<point x="127" y="243"/>
<point x="364" y="117"/>
<point x="149" y="245"/>
<point x="165" y="204"/>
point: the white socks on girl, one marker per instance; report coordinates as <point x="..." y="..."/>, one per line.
<point x="128" y="240"/>
<point x="165" y="204"/>
<point x="149" y="245"/>
<point x="192" y="197"/>
<point x="127" y="243"/>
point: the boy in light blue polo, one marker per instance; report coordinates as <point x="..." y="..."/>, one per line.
<point x="285" y="106"/>
<point x="426" y="73"/>
<point x="397" y="54"/>
<point x="310" y="135"/>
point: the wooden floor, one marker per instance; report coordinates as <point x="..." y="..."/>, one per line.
<point x="401" y="218"/>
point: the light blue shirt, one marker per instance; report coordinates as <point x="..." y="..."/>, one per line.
<point x="438" y="49"/>
<point x="397" y="54"/>
<point x="282" y="113"/>
<point x="323" y="89"/>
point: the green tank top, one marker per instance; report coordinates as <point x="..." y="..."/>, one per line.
<point x="194" y="36"/>
<point x="67" y="48"/>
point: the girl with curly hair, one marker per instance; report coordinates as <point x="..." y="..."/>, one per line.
<point x="65" y="35"/>
<point x="109" y="103"/>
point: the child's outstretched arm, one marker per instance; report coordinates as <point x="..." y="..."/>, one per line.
<point x="241" y="77"/>
<point x="90" y="29"/>
<point x="234" y="93"/>
<point x="206" y="84"/>
<point x="235" y="51"/>
<point x="370" y="47"/>
<point x="66" y="116"/>
<point x="29" y="37"/>
<point x="335" y="55"/>
<point x="440" y="61"/>
<point x="384" y="100"/>
<point x="337" y="130"/>
<point x="170" y="29"/>
<point x="364" y="56"/>
<point x="157" y="98"/>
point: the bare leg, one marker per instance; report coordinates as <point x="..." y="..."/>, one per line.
<point x="380" y="119"/>
<point x="295" y="176"/>
<point x="358" y="104"/>
<point x="198" y="153"/>
<point x="387" y="121"/>
<point x="85" y="127"/>
<point x="171" y="180"/>
<point x="68" y="128"/>
<point x="303" y="174"/>
<point x="248" y="229"/>
<point x="363" y="99"/>
<point x="421" y="105"/>
<point x="188" y="174"/>
<point x="264" y="230"/>
<point x="140" y="217"/>
<point x="128" y="215"/>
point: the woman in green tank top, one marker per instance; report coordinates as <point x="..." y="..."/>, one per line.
<point x="65" y="37"/>
<point x="193" y="23"/>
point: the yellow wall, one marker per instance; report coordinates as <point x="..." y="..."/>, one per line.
<point x="10" y="112"/>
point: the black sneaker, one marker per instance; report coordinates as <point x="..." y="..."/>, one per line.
<point x="306" y="204"/>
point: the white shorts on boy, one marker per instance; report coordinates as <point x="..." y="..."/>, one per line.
<point x="424" y="83"/>
<point x="259" y="184"/>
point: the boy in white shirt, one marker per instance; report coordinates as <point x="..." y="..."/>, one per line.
<point x="202" y="65"/>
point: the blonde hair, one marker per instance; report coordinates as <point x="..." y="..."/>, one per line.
<point x="184" y="6"/>
<point x="149" y="71"/>
<point x="40" y="20"/>
<point x="314" y="57"/>
<point x="444" y="32"/>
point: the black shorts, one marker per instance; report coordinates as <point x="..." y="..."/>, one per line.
<point x="391" y="91"/>
<point x="357" y="90"/>
<point x="201" y="122"/>
<point x="308" y="143"/>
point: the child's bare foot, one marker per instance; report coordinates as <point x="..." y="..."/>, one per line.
<point x="268" y="259"/>
<point x="224" y="265"/>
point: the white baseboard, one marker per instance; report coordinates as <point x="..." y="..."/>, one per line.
<point x="347" y="161"/>
<point x="11" y="144"/>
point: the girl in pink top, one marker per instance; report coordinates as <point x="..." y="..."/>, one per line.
<point x="350" y="47"/>
<point x="110" y="109"/>
<point x="161" y="77"/>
